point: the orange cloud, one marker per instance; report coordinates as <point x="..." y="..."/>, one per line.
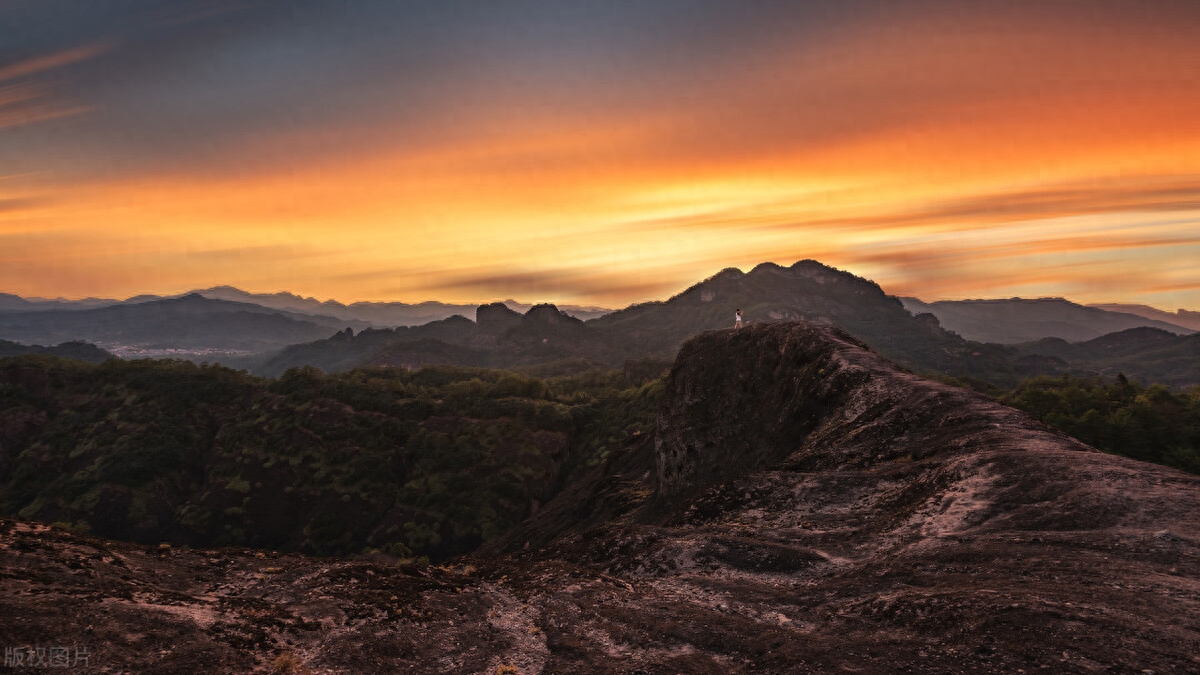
<point x="939" y="155"/>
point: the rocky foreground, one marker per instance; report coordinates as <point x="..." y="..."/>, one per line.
<point x="804" y="506"/>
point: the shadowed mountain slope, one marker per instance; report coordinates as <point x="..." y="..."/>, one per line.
<point x="345" y="350"/>
<point x="83" y="351"/>
<point x="502" y="339"/>
<point x="1019" y="320"/>
<point x="1146" y="354"/>
<point x="189" y="322"/>
<point x="769" y="293"/>
<point x="1180" y="317"/>
<point x="804" y="506"/>
<point x="812" y="292"/>
<point x="378" y="314"/>
<point x="373" y="314"/>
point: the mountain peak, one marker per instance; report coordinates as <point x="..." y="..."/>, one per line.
<point x="544" y="313"/>
<point x="495" y="318"/>
<point x="766" y="267"/>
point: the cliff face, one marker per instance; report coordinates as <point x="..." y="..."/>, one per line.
<point x="745" y="399"/>
<point x="805" y="506"/>
<point x="803" y="397"/>
<point x="496" y="318"/>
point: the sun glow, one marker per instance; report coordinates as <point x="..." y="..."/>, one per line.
<point x="985" y="154"/>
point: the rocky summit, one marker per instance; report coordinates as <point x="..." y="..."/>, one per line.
<point x="803" y="506"/>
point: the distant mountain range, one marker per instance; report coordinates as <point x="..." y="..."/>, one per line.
<point x="1148" y="355"/>
<point x="192" y="324"/>
<point x="374" y="314"/>
<point x="1181" y="317"/>
<point x="807" y="290"/>
<point x="544" y="336"/>
<point x="1018" y="320"/>
<point x="986" y="342"/>
<point x="15" y="303"/>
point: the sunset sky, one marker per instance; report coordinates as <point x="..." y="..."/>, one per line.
<point x="599" y="152"/>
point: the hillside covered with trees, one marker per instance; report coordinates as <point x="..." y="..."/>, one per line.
<point x="412" y="463"/>
<point x="1151" y="423"/>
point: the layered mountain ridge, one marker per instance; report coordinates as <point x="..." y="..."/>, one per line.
<point x="191" y="322"/>
<point x="768" y="293"/>
<point x="270" y="333"/>
<point x="1147" y="354"/>
<point x="1180" y="317"/>
<point x="1017" y="320"/>
<point x="373" y="314"/>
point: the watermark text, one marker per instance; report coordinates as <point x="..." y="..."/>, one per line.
<point x="46" y="657"/>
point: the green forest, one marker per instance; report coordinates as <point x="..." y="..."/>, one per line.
<point x="1151" y="423"/>
<point x="410" y="463"/>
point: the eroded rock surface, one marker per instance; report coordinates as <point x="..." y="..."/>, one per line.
<point x="805" y="506"/>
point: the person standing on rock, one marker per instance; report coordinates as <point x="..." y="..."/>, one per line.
<point x="737" y="319"/>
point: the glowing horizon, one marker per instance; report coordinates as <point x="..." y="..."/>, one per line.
<point x="600" y="155"/>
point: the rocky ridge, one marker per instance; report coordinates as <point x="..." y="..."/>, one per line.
<point x="804" y="506"/>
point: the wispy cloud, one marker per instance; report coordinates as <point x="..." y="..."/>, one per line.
<point x="1180" y="193"/>
<point x="968" y="253"/>
<point x="25" y="100"/>
<point x="1175" y="287"/>
<point x="15" y="116"/>
<point x="19" y="203"/>
<point x="554" y="283"/>
<point x="37" y="64"/>
<point x="258" y="253"/>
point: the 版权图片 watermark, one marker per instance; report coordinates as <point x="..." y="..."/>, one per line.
<point x="46" y="657"/>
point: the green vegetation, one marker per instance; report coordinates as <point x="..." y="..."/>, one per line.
<point x="1153" y="424"/>
<point x="412" y="463"/>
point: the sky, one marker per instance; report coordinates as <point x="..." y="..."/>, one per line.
<point x="599" y="153"/>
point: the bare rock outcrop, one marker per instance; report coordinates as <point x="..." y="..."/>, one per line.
<point x="496" y="318"/>
<point x="546" y="313"/>
<point x="813" y="397"/>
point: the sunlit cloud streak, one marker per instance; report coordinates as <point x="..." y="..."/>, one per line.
<point x="1039" y="203"/>
<point x="37" y="64"/>
<point x="26" y="102"/>
<point x="17" y="203"/>
<point x="561" y="283"/>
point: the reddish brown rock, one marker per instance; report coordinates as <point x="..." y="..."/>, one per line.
<point x="820" y="510"/>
